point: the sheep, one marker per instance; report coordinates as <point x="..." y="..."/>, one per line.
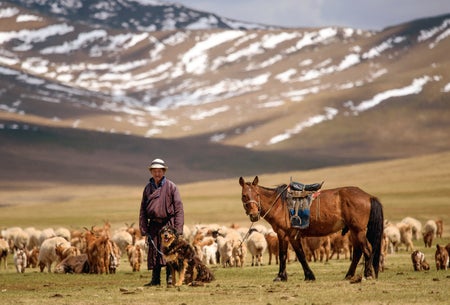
<point x="47" y="252"/>
<point x="339" y="244"/>
<point x="441" y="258"/>
<point x="33" y="235"/>
<point x="416" y="226"/>
<point x="429" y="232"/>
<point x="272" y="245"/>
<point x="393" y="234"/>
<point x="439" y="228"/>
<point x="257" y="245"/>
<point x="418" y="261"/>
<point x="317" y="247"/>
<point x="225" y="250"/>
<point x="135" y="257"/>
<point x="406" y="235"/>
<point x="20" y="260"/>
<point x="16" y="238"/>
<point x="46" y="234"/>
<point x="63" y="232"/>
<point x="73" y="264"/>
<point x="21" y="239"/>
<point x="4" y="251"/>
<point x="123" y="239"/>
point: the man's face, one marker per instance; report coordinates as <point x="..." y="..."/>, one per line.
<point x="157" y="174"/>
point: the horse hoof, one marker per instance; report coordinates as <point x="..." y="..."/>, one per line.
<point x="279" y="279"/>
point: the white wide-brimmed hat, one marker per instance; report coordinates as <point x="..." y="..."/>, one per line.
<point x="158" y="163"/>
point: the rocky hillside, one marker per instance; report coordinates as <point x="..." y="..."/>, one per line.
<point x="92" y="92"/>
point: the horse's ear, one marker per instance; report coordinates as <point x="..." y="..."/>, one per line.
<point x="241" y="181"/>
<point x="255" y="181"/>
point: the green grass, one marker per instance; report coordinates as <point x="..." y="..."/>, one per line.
<point x="418" y="187"/>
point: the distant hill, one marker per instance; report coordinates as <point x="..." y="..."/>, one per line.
<point x="90" y="93"/>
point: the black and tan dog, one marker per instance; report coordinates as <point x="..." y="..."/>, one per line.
<point x="186" y="267"/>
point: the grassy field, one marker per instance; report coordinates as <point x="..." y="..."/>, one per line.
<point x="418" y="187"/>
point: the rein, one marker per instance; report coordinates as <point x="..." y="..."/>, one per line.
<point x="274" y="202"/>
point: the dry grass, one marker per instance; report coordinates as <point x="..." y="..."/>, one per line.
<point x="418" y="187"/>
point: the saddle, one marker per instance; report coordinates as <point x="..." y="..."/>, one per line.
<point x="299" y="200"/>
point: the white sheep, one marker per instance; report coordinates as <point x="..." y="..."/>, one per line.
<point x="47" y="252"/>
<point x="416" y="226"/>
<point x="33" y="235"/>
<point x="393" y="235"/>
<point x="257" y="245"/>
<point x="63" y="232"/>
<point x="406" y="235"/>
<point x="16" y="238"/>
<point x="46" y="234"/>
<point x="20" y="260"/>
<point x="123" y="239"/>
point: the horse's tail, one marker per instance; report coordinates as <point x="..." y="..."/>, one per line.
<point x="375" y="232"/>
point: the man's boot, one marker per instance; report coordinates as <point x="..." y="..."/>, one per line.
<point x="168" y="276"/>
<point x="156" y="277"/>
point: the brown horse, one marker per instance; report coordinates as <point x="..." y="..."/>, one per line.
<point x="345" y="208"/>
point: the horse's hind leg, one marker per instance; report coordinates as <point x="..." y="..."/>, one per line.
<point x="361" y="246"/>
<point x="297" y="245"/>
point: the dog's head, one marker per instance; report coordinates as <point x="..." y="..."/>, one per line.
<point x="168" y="235"/>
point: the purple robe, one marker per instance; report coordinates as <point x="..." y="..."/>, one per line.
<point x="159" y="207"/>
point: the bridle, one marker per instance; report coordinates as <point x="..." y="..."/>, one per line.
<point x="258" y="203"/>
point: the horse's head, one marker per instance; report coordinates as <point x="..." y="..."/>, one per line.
<point x="250" y="199"/>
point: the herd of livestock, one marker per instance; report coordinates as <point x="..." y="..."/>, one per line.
<point x="101" y="249"/>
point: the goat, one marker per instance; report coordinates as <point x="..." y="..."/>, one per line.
<point x="439" y="228"/>
<point x="135" y="257"/>
<point x="339" y="244"/>
<point x="429" y="232"/>
<point x="33" y="257"/>
<point x="20" y="260"/>
<point x="73" y="264"/>
<point x="272" y="246"/>
<point x="441" y="257"/>
<point x="418" y="261"/>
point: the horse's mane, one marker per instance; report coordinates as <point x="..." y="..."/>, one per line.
<point x="279" y="190"/>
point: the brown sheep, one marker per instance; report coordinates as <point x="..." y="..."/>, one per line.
<point x="441" y="258"/>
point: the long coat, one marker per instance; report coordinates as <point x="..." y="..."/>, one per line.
<point x="159" y="207"/>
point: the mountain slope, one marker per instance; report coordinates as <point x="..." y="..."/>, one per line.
<point x="219" y="101"/>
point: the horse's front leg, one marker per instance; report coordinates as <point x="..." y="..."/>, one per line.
<point x="297" y="245"/>
<point x="282" y="255"/>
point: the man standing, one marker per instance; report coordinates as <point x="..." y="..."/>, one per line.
<point x="160" y="205"/>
